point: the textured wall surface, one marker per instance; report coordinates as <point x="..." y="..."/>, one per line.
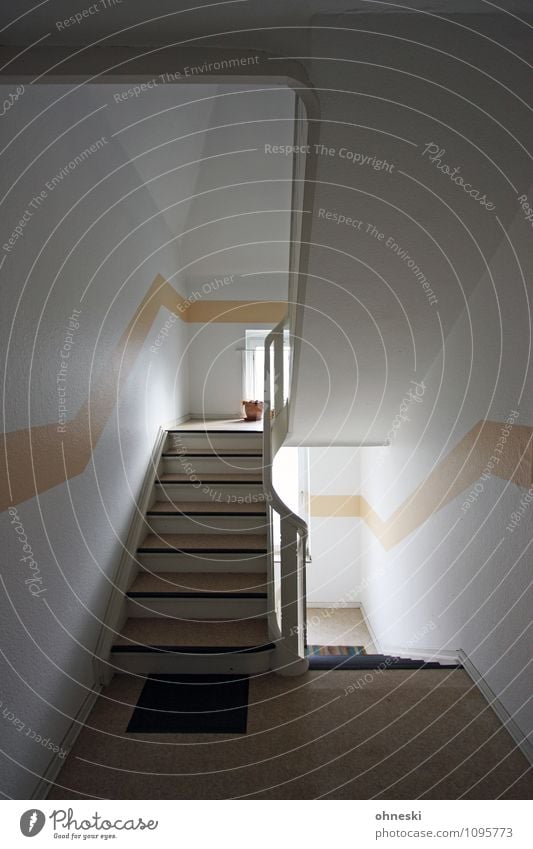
<point x="113" y="256"/>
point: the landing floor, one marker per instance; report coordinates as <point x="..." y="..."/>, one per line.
<point x="340" y="735"/>
<point x="334" y="626"/>
<point x="235" y="424"/>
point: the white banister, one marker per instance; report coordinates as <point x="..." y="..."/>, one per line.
<point x="287" y="591"/>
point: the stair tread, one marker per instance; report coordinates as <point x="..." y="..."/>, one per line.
<point x="235" y="426"/>
<point x="211" y="542"/>
<point x="205" y="508"/>
<point x="179" y="632"/>
<point x="215" y="452"/>
<point x="213" y="477"/>
<point x="202" y="582"/>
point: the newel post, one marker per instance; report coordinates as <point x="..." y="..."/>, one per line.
<point x="289" y="661"/>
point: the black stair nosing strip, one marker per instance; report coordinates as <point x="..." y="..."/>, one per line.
<point x="169" y="649"/>
<point x="189" y="550"/>
<point x="361" y="662"/>
<point x="242" y="432"/>
<point x="217" y="513"/>
<point x="204" y="481"/>
<point x="170" y="594"/>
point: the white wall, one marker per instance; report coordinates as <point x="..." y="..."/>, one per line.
<point x="388" y="84"/>
<point x="335" y="572"/>
<point x="392" y="84"/>
<point x="441" y="572"/>
<point x="75" y="529"/>
<point x="148" y="202"/>
<point x="461" y="571"/>
<point x="248" y="242"/>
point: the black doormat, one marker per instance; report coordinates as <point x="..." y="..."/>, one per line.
<point x="192" y="704"/>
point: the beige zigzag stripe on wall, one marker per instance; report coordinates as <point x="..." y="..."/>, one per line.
<point x="455" y="473"/>
<point x="31" y="461"/>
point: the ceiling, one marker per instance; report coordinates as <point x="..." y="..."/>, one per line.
<point x="130" y="22"/>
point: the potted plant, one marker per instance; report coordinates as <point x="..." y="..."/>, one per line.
<point x="253" y="411"/>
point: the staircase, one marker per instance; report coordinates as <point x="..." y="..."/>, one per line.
<point x="199" y="601"/>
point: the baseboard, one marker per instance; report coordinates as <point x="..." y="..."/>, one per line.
<point x="215" y="416"/>
<point x="172" y="423"/>
<point x="417" y="652"/>
<point x="501" y="712"/>
<point x="368" y="623"/>
<point x="54" y="767"/>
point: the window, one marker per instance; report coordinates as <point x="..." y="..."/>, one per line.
<point x="254" y="365"/>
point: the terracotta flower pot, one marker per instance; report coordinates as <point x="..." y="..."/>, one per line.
<point x="253" y="411"/>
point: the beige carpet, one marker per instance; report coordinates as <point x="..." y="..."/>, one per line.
<point x="193" y="582"/>
<point x="159" y="631"/>
<point x="206" y="507"/>
<point x="205" y="542"/>
<point x="338" y="626"/>
<point x="201" y="425"/>
<point x="344" y="735"/>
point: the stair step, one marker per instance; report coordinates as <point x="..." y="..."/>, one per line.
<point x="237" y="428"/>
<point x="171" y="635"/>
<point x="212" y="597"/>
<point x="374" y="661"/>
<point x="204" y="543"/>
<point x="177" y="563"/>
<point x="215" y="452"/>
<point x="209" y="439"/>
<point x="206" y="523"/>
<point x="210" y="609"/>
<point x="199" y="466"/>
<point x="205" y="607"/>
<point x="205" y="508"/>
<point x="234" y="493"/>
<point x="210" y="477"/>
<point x="237" y="425"/>
<point x="213" y="584"/>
